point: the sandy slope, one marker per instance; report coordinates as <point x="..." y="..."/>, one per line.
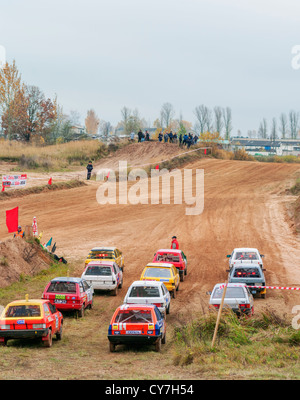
<point x="243" y="207"/>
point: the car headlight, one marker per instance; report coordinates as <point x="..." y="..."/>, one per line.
<point x="4" y="327"/>
<point x="39" y="326"/>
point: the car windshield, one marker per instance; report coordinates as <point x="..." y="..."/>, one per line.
<point x="62" y="287"/>
<point x="168" y="257"/>
<point x="103" y="270"/>
<point x="23" y="311"/>
<point x="246" y="273"/>
<point x="231" y="293"/>
<point x="134" y="316"/>
<point x="144" y="291"/>
<point x="157" y="273"/>
<point x="246" y="255"/>
<point x="101" y="255"/>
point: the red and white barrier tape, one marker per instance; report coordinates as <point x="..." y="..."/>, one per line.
<point x="275" y="287"/>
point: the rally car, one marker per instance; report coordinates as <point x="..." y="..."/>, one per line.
<point x="163" y="272"/>
<point x="104" y="275"/>
<point x="250" y="274"/>
<point x="30" y="319"/>
<point x="137" y="324"/>
<point x="69" y="294"/>
<point x="237" y="297"/>
<point x="245" y="254"/>
<point x="106" y="253"/>
<point x="152" y="292"/>
<point x="176" y="257"/>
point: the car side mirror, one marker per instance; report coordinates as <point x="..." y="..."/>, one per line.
<point x="228" y="255"/>
<point x="227" y="270"/>
<point x="208" y="293"/>
<point x="264" y="269"/>
<point x="262" y="255"/>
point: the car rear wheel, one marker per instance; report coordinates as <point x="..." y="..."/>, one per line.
<point x="81" y="311"/>
<point x="59" y="333"/>
<point x="112" y="347"/>
<point x="48" y="341"/>
<point x="174" y="294"/>
<point x="115" y="291"/>
<point x="158" y="345"/>
<point x="263" y="296"/>
<point x="182" y="277"/>
<point x="163" y="340"/>
<point x="4" y="343"/>
<point x="168" y="309"/>
<point x="121" y="284"/>
<point x="185" y="271"/>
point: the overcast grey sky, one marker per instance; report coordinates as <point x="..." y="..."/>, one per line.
<point x="106" y="54"/>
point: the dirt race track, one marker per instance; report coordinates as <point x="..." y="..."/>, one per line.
<point x="244" y="206"/>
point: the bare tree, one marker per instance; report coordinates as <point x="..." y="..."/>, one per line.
<point x="263" y="129"/>
<point x="219" y="124"/>
<point x="201" y="113"/>
<point x="105" y="128"/>
<point x="227" y="118"/>
<point x="294" y="123"/>
<point x="92" y="122"/>
<point x="166" y="114"/>
<point x="283" y="125"/>
<point x="74" y="117"/>
<point x="273" y="135"/>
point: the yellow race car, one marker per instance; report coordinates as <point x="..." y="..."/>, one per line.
<point x="106" y="253"/>
<point x="163" y="272"/>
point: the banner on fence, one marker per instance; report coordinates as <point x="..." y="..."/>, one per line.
<point x="14" y="181"/>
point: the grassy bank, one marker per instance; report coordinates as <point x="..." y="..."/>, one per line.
<point x="264" y="346"/>
<point x="55" y="157"/>
<point x="39" y="189"/>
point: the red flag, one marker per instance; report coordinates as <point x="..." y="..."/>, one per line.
<point x="204" y="151"/>
<point x="3" y="188"/>
<point x="157" y="167"/>
<point x="12" y="217"/>
<point x="50" y="181"/>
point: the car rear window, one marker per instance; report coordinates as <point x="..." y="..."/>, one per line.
<point x="246" y="255"/>
<point x="246" y="273"/>
<point x="104" y="270"/>
<point x="231" y="293"/>
<point x="23" y="311"/>
<point x="168" y="257"/>
<point x="134" y="316"/>
<point x="101" y="255"/>
<point x="157" y="273"/>
<point x="62" y="287"/>
<point x="147" y="291"/>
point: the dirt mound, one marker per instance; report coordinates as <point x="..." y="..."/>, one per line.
<point x="137" y="154"/>
<point x="20" y="257"/>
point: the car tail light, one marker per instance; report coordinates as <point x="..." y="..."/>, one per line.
<point x="39" y="326"/>
<point x="159" y="304"/>
<point x="245" y="305"/>
<point x="4" y="327"/>
<point x="216" y="305"/>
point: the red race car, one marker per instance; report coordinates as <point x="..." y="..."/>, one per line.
<point x="69" y="294"/>
<point x="137" y="324"/>
<point x="176" y="257"/>
<point x="30" y="319"/>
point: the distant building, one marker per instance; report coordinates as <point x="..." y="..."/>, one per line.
<point x="266" y="147"/>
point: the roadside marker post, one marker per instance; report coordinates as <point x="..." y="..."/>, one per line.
<point x="219" y="315"/>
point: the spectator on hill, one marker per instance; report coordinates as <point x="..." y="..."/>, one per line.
<point x="147" y="136"/>
<point x="132" y="136"/>
<point x="140" y="136"/>
<point x="89" y="170"/>
<point x="166" y="137"/>
<point x="180" y="139"/>
<point x="160" y="137"/>
<point x="20" y="232"/>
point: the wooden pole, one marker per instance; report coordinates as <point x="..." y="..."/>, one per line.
<point x="219" y="315"/>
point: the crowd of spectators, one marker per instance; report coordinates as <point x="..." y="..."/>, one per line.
<point x="168" y="137"/>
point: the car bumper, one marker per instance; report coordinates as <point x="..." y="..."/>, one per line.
<point x="67" y="307"/>
<point x="101" y="286"/>
<point x="135" y="339"/>
<point x="24" y="334"/>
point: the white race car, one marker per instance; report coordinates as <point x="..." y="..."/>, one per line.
<point x="242" y="254"/>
